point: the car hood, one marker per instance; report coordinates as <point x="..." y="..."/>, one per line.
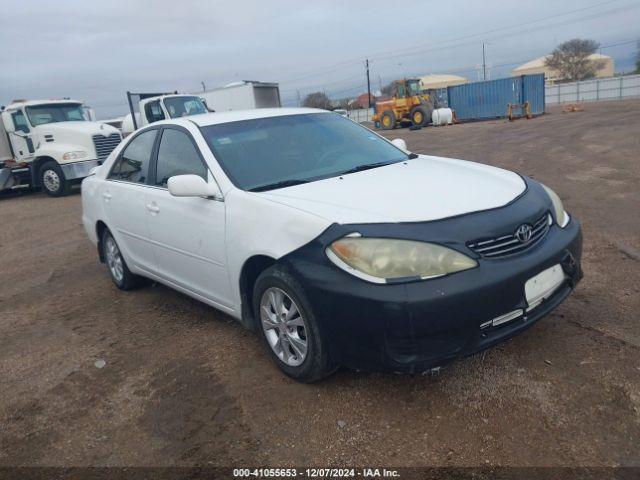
<point x="423" y="189"/>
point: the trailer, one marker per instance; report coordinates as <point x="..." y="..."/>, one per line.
<point x="244" y="95"/>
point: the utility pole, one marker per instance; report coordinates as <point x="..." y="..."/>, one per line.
<point x="368" y="84"/>
<point x="298" y="98"/>
<point x="484" y="64"/>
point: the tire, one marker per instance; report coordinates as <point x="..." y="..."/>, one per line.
<point x="52" y="180"/>
<point x="286" y="340"/>
<point x="388" y="120"/>
<point x="116" y="265"/>
<point x="420" y="115"/>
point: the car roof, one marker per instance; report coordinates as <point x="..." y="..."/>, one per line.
<point x="215" y="118"/>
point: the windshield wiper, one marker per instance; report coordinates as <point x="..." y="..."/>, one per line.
<point x="282" y="184"/>
<point x="413" y="155"/>
<point x="367" y="166"/>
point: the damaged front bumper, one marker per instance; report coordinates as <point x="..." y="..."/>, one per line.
<point x="413" y="327"/>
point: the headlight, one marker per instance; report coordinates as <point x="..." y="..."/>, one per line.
<point x="74" y="155"/>
<point x="380" y="260"/>
<point x="562" y="217"/>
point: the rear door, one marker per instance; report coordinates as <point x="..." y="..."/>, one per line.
<point x="124" y="199"/>
<point x="188" y="233"/>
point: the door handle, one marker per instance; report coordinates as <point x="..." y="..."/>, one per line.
<point x="153" y="208"/>
<point x="106" y="196"/>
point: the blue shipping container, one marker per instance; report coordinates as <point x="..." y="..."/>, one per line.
<point x="490" y="99"/>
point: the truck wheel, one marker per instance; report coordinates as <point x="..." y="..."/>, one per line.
<point x="53" y="180"/>
<point x="388" y="120"/>
<point x="288" y="327"/>
<point x="118" y="270"/>
<point x="420" y="116"/>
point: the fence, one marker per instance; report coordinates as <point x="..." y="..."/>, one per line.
<point x="614" y="88"/>
<point x="360" y="115"/>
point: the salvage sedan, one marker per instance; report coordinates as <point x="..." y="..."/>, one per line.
<point x="337" y="246"/>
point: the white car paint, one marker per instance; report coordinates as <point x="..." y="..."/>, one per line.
<point x="199" y="245"/>
<point x="427" y="188"/>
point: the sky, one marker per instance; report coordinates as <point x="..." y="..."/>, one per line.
<point x="96" y="51"/>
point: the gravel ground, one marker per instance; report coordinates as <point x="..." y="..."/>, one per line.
<point x="183" y="384"/>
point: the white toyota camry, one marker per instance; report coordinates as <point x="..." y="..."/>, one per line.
<point x="337" y="246"/>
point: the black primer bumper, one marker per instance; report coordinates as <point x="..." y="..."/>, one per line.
<point x="415" y="326"/>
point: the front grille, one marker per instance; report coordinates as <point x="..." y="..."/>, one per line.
<point x="105" y="145"/>
<point x="510" y="244"/>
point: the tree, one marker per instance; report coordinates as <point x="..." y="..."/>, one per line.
<point x="317" y="100"/>
<point x="637" y="57"/>
<point x="571" y="60"/>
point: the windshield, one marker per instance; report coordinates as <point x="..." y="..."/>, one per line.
<point x="414" y="87"/>
<point x="267" y="153"/>
<point x="56" y="112"/>
<point x="181" y="106"/>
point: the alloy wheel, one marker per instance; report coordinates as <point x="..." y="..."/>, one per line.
<point x="114" y="259"/>
<point x="284" y="326"/>
<point x="51" y="180"/>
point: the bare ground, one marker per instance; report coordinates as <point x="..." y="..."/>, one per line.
<point x="186" y="385"/>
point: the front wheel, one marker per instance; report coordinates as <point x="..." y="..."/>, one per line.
<point x="288" y="326"/>
<point x="420" y="116"/>
<point x="52" y="179"/>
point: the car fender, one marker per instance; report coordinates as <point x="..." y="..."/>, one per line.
<point x="260" y="226"/>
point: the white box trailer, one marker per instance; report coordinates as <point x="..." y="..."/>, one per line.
<point x="245" y="95"/>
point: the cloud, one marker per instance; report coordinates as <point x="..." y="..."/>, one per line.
<point x="98" y="51"/>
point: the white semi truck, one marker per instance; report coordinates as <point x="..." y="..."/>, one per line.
<point x="153" y="107"/>
<point x="51" y="144"/>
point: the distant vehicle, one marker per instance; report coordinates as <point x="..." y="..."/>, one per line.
<point x="244" y="95"/>
<point x="337" y="246"/>
<point x="409" y="106"/>
<point x="341" y="111"/>
<point x="154" y="107"/>
<point x="51" y="144"/>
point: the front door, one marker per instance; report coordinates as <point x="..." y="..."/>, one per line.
<point x="125" y="206"/>
<point x="21" y="142"/>
<point x="188" y="233"/>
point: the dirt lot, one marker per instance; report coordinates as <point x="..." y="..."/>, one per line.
<point x="185" y="385"/>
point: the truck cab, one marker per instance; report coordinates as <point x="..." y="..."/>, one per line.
<point x="161" y="107"/>
<point x="51" y="144"/>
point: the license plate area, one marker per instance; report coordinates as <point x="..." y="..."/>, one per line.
<point x="543" y="285"/>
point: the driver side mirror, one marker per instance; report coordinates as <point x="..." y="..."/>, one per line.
<point x="192" y="186"/>
<point x="401" y="144"/>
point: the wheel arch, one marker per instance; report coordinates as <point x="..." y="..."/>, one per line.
<point x="100" y="228"/>
<point x="251" y="270"/>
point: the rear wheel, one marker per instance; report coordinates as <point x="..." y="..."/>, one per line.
<point x="116" y="265"/>
<point x="53" y="180"/>
<point x="388" y="120"/>
<point x="288" y="326"/>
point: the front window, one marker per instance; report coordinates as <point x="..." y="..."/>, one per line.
<point x="20" y="122"/>
<point x="266" y="153"/>
<point x="56" y="112"/>
<point x="414" y="87"/>
<point x="182" y="106"/>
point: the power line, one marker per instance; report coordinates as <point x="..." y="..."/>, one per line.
<point x="388" y="54"/>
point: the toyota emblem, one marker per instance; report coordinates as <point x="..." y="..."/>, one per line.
<point x="523" y="233"/>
